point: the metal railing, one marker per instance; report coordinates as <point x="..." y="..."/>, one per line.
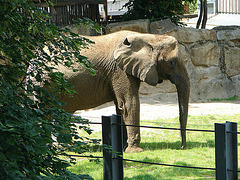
<point x="226" y="149"/>
<point x="226" y="144"/>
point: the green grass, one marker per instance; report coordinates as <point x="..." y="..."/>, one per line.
<point x="234" y="98"/>
<point x="163" y="146"/>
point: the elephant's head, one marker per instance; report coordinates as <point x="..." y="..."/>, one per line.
<point x="152" y="59"/>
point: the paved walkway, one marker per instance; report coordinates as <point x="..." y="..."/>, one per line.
<point x="165" y="110"/>
<point x="216" y="20"/>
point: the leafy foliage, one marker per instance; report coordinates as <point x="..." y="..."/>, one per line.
<point x="155" y="9"/>
<point x="36" y="132"/>
<point x="193" y="7"/>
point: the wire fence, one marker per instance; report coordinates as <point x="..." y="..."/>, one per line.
<point x="226" y="144"/>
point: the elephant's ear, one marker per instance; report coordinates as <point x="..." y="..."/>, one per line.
<point x="136" y="58"/>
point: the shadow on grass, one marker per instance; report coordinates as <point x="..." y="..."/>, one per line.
<point x="163" y="145"/>
<point x="163" y="172"/>
<point x="145" y="176"/>
<point x="175" y="145"/>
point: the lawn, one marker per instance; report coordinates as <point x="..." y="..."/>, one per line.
<point x="163" y="146"/>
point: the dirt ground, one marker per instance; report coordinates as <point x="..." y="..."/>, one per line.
<point x="150" y="109"/>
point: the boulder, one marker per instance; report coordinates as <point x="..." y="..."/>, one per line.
<point x="191" y="35"/>
<point x="214" y="89"/>
<point x="236" y="83"/>
<point x="226" y="33"/>
<point x="162" y="26"/>
<point x="232" y="60"/>
<point x="184" y="53"/>
<point x="207" y="54"/>
<point x="141" y="26"/>
<point x="203" y="74"/>
<point x="203" y="80"/>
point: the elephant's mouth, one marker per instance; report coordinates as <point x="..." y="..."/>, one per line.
<point x="160" y="81"/>
<point x="168" y="76"/>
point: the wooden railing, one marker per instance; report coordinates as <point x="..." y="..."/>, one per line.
<point x="228" y="6"/>
<point x="64" y="12"/>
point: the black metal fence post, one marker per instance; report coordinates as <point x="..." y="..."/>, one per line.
<point x="220" y="151"/>
<point x="232" y="150"/>
<point x="113" y="147"/>
<point x="226" y="156"/>
<point x="117" y="147"/>
<point x="107" y="142"/>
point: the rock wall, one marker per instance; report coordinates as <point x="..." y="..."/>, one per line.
<point x="212" y="58"/>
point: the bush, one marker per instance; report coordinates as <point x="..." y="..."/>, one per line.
<point x="155" y="9"/>
<point x="193" y="7"/>
<point x="36" y="133"/>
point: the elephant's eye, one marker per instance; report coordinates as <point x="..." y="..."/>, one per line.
<point x="126" y="42"/>
<point x="172" y="64"/>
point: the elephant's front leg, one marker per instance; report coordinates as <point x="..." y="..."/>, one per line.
<point x="130" y="110"/>
<point x="128" y="105"/>
<point x="132" y="116"/>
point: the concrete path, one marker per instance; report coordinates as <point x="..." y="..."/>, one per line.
<point x="216" y="20"/>
<point x="165" y="110"/>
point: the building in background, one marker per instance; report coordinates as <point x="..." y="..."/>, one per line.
<point x="114" y="8"/>
<point x="222" y="6"/>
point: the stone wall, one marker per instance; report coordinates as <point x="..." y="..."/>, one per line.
<point x="212" y="58"/>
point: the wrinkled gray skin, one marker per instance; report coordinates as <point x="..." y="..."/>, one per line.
<point x="122" y="60"/>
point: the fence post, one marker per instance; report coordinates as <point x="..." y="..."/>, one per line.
<point x="113" y="151"/>
<point x="117" y="147"/>
<point x="216" y="7"/>
<point x="220" y="151"/>
<point x="107" y="142"/>
<point x="232" y="150"/>
<point x="226" y="156"/>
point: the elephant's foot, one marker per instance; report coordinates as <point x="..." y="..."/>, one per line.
<point x="133" y="149"/>
<point x="183" y="147"/>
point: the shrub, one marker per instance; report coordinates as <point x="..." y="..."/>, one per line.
<point x="155" y="9"/>
<point x="36" y="133"/>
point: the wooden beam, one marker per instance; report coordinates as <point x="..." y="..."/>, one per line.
<point x="69" y="2"/>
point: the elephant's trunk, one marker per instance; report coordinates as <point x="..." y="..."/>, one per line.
<point x="183" y="99"/>
<point x="183" y="89"/>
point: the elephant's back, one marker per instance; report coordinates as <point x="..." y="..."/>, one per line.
<point x="106" y="44"/>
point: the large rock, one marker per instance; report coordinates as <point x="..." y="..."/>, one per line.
<point x="226" y="33"/>
<point x="162" y="26"/>
<point x="214" y="89"/>
<point x="207" y="54"/>
<point x="232" y="60"/>
<point x="236" y="83"/>
<point x="191" y="35"/>
<point x="141" y="26"/>
<point x="201" y="74"/>
<point x="184" y="53"/>
<point x="203" y="80"/>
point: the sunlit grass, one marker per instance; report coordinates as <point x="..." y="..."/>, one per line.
<point x="163" y="146"/>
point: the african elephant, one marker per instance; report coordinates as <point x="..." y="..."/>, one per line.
<point x="122" y="60"/>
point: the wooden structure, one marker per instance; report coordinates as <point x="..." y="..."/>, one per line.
<point x="228" y="6"/>
<point x="64" y="12"/>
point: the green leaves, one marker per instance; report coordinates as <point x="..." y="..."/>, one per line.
<point x="34" y="129"/>
<point x="154" y="9"/>
<point x="64" y="138"/>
